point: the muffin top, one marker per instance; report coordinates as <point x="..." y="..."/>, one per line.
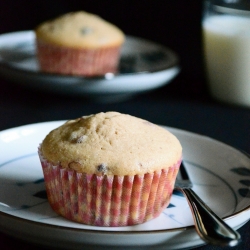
<point x="113" y="144"/>
<point x="80" y="30"/>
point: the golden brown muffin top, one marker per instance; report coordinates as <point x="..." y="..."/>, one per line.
<point x="80" y="30"/>
<point x="113" y="144"/>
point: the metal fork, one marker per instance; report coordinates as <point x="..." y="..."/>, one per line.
<point x="211" y="228"/>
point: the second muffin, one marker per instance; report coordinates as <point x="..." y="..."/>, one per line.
<point x="110" y="169"/>
<point x="78" y="43"/>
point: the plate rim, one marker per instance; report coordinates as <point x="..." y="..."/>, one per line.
<point x="174" y="57"/>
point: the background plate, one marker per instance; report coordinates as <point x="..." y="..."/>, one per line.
<point x="219" y="172"/>
<point x="144" y="66"/>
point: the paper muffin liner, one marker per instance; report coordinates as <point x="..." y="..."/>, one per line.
<point x="108" y="200"/>
<point x="82" y="62"/>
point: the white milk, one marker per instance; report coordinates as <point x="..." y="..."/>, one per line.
<point x="227" y="56"/>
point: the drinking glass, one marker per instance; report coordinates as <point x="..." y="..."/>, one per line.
<point x="226" y="42"/>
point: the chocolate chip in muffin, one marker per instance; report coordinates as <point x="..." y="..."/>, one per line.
<point x="86" y="30"/>
<point x="75" y="138"/>
<point x="102" y="168"/>
<point x="81" y="139"/>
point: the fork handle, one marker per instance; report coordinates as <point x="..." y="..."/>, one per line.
<point x="208" y="225"/>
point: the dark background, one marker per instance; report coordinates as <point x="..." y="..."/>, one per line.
<point x="184" y="103"/>
<point x="173" y="23"/>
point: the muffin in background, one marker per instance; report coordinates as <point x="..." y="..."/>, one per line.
<point x="78" y="43"/>
<point x="110" y="169"/>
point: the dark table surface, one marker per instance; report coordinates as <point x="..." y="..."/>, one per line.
<point x="188" y="111"/>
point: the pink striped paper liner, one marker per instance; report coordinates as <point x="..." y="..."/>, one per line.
<point x="82" y="62"/>
<point x="108" y="200"/>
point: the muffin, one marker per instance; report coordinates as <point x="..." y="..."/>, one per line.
<point x="78" y="43"/>
<point x="110" y="169"/>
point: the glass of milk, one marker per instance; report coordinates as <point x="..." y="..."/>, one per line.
<point x="226" y="41"/>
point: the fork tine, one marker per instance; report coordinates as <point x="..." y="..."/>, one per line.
<point x="182" y="180"/>
<point x="183" y="172"/>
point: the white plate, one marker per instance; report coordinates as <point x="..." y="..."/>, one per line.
<point x="144" y="66"/>
<point x="219" y="172"/>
